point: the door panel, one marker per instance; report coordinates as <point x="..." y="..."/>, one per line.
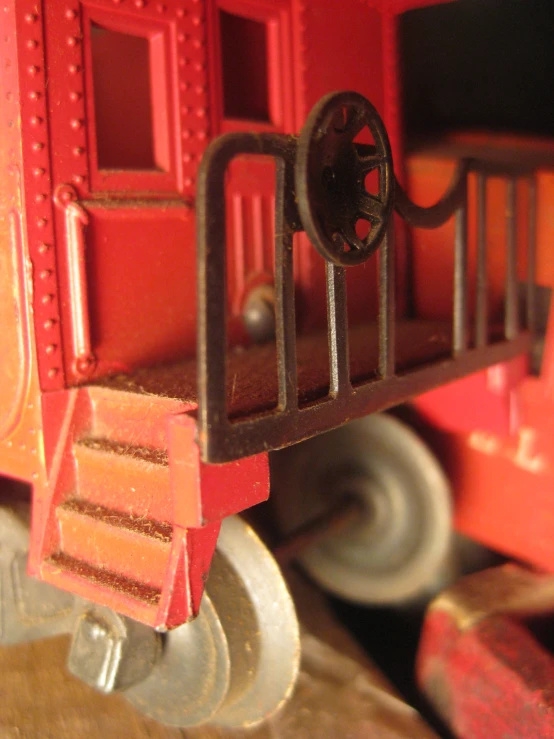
<point x="250" y="224"/>
<point x="127" y="259"/>
<point x="250" y="56"/>
<point x="140" y="283"/>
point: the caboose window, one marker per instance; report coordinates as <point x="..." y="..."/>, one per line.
<point x="244" y="51"/>
<point x="123" y="110"/>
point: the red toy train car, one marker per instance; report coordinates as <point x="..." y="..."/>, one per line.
<point x="166" y="324"/>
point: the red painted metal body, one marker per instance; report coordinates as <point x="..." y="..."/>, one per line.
<point x="97" y="276"/>
<point x="498" y="449"/>
<point x="97" y="285"/>
<point x="98" y="280"/>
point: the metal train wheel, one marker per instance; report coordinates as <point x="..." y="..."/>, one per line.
<point x="398" y="547"/>
<point x="237" y="663"/>
<point x="191" y="679"/>
<point x="259" y="619"/>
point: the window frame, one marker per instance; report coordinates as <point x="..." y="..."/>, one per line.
<point x="276" y="17"/>
<point x="158" y="34"/>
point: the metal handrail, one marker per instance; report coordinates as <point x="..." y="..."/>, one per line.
<point x="76" y="219"/>
<point x="222" y="439"/>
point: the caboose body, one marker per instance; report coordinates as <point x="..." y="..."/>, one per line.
<point x="108" y="108"/>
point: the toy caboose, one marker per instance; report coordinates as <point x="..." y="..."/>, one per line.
<point x="144" y="380"/>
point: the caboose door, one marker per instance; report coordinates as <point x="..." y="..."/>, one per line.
<point x="124" y="152"/>
<point x="252" y="80"/>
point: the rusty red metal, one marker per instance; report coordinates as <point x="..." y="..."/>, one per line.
<point x="481" y="665"/>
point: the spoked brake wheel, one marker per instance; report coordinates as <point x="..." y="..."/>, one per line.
<point x="331" y="175"/>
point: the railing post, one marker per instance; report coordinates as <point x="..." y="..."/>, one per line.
<point x="387" y="304"/>
<point x="481" y="307"/>
<point x="531" y="307"/>
<point x="337" y="317"/>
<point x="460" y="318"/>
<point x="285" y="321"/>
<point x="511" y="318"/>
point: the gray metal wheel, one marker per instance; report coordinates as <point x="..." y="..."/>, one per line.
<point x="399" y="547"/>
<point x="191" y="679"/>
<point x="237" y="662"/>
<point x="259" y="619"/>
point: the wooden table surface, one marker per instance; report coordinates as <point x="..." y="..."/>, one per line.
<point x="339" y="694"/>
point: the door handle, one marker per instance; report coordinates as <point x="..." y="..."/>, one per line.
<point x="76" y="220"/>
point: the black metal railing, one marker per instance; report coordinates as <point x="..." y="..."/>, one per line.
<point x="319" y="189"/>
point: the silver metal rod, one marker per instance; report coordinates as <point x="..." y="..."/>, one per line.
<point x="343" y="514"/>
<point x="481" y="307"/>
<point x="337" y="318"/>
<point x="531" y="306"/>
<point x="285" y="320"/>
<point x="511" y="322"/>
<point x="387" y="304"/>
<point x="460" y="318"/>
